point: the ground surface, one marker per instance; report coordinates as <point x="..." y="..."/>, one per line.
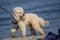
<point x="25" y="38"/>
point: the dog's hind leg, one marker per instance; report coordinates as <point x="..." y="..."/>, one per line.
<point x="32" y="30"/>
<point x="36" y="26"/>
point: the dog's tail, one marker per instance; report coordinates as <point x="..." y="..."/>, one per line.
<point x="43" y="22"/>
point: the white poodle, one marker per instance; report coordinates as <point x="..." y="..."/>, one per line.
<point x="20" y="20"/>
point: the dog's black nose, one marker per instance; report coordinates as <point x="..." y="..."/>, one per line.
<point x="23" y="14"/>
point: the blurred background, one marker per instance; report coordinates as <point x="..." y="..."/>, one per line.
<point x="47" y="9"/>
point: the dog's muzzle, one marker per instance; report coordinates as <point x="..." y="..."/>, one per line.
<point x="21" y="16"/>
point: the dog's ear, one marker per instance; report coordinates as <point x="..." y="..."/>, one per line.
<point x="13" y="13"/>
<point x="15" y="16"/>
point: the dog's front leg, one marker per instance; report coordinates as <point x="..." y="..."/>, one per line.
<point x="22" y="28"/>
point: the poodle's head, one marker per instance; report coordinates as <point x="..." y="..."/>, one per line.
<point x="19" y="11"/>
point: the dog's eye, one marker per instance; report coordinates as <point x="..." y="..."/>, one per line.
<point x="18" y="13"/>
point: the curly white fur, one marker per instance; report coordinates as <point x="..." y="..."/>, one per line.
<point x="29" y="18"/>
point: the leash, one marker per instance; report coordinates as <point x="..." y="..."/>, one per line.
<point x="4" y="9"/>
